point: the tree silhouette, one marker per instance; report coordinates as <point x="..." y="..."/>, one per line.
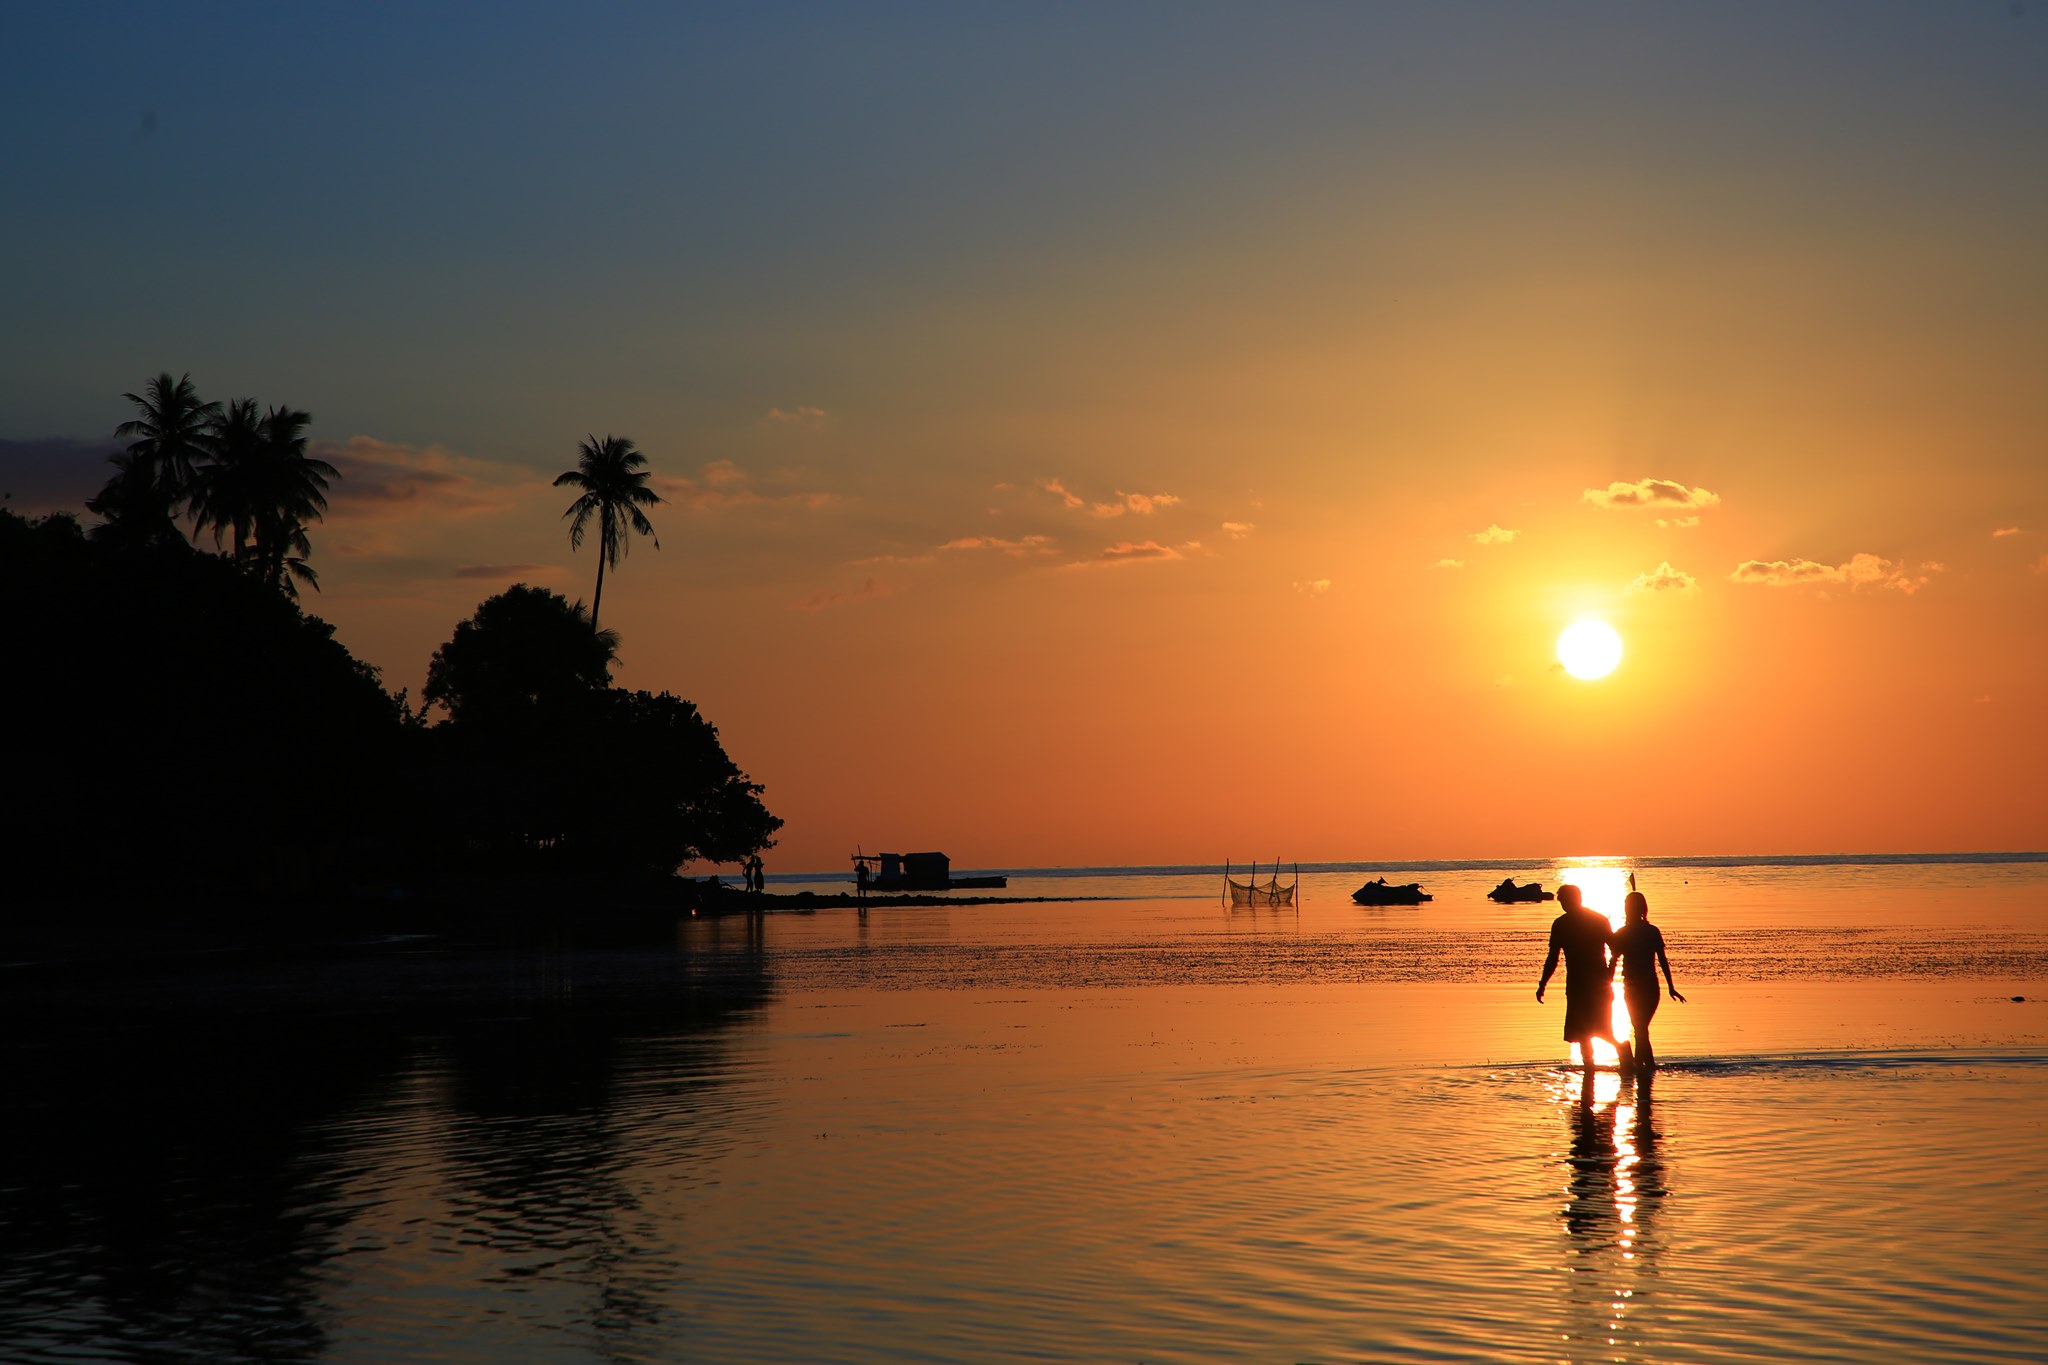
<point x="134" y="508"/>
<point x="171" y="434"/>
<point x="526" y="651"/>
<point x="613" y="478"/>
<point x="292" y="492"/>
<point x="244" y="473"/>
<point x="227" y="491"/>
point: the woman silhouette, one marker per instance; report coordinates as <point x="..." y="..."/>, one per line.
<point x="1639" y="950"/>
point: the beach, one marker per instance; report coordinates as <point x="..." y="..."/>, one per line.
<point x="1143" y="1129"/>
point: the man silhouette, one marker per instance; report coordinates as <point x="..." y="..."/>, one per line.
<point x="1583" y="936"/>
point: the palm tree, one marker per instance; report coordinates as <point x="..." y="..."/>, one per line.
<point x="227" y="492"/>
<point x="134" y="509"/>
<point x="171" y="434"/>
<point x="291" y="493"/>
<point x="262" y="488"/>
<point x="613" y="478"/>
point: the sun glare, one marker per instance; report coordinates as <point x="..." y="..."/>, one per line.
<point x="1603" y="886"/>
<point x="1589" y="649"/>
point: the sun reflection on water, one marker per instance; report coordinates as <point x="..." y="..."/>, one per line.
<point x="1613" y="1183"/>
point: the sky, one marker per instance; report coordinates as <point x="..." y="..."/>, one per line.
<point x="1133" y="433"/>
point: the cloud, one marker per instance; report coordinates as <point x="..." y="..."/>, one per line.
<point x="1506" y="680"/>
<point x="1650" y="493"/>
<point x="382" y="479"/>
<point x="2005" y="531"/>
<point x="386" y="487"/>
<point x="1140" y="504"/>
<point x="55" y="472"/>
<point x="1448" y="564"/>
<point x="1127" y="552"/>
<point x="1315" y="587"/>
<point x="801" y="415"/>
<point x="906" y="560"/>
<point x="1664" y="578"/>
<point x="2041" y="564"/>
<point x="1493" y="535"/>
<point x="1133" y="552"/>
<point x="721" y="485"/>
<point x="1678" y="523"/>
<point x="1016" y="549"/>
<point x="1238" y="530"/>
<point x="825" y="601"/>
<point x="1861" y="570"/>
<point x="507" y="572"/>
<point x="1135" y="504"/>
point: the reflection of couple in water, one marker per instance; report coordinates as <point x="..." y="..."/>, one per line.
<point x="1592" y="950"/>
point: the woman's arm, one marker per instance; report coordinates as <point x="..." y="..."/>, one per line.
<point x="1665" y="962"/>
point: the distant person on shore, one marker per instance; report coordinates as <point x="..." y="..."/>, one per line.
<point x="1582" y="936"/>
<point x="756" y="879"/>
<point x="1639" y="948"/>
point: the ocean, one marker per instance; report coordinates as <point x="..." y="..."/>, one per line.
<point x="1130" y="1123"/>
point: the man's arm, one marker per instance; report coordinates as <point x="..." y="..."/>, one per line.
<point x="1549" y="964"/>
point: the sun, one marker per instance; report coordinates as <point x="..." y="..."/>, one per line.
<point x="1589" y="649"/>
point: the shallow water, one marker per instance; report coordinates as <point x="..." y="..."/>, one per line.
<point x="1147" y="1129"/>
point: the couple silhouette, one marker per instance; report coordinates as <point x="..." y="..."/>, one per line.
<point x="1592" y="949"/>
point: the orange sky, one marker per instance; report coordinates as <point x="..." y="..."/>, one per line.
<point x="1081" y="444"/>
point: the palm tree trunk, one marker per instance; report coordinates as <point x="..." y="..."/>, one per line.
<point x="597" y="598"/>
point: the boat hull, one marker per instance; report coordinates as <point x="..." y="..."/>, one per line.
<point x="1379" y="893"/>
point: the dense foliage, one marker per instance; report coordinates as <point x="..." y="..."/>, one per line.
<point x="179" y="724"/>
<point x="175" y="720"/>
<point x="544" y="765"/>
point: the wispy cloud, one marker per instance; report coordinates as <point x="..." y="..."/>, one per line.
<point x="381" y="479"/>
<point x="825" y="601"/>
<point x="1860" y="571"/>
<point x="507" y="572"/>
<point x="1448" y="564"/>
<point x="1139" y="504"/>
<point x="389" y="494"/>
<point x="1493" y="535"/>
<point x="1238" y="530"/>
<point x="1060" y="491"/>
<point x="2041" y="564"/>
<point x="1017" y="549"/>
<point x="1314" y="587"/>
<point x="1651" y="493"/>
<point x="800" y="415"/>
<point x="904" y="560"/>
<point x="1133" y="504"/>
<point x="1133" y="552"/>
<point x="1664" y="578"/>
<point x="1678" y="523"/>
<point x="721" y="485"/>
<point x="2005" y="531"/>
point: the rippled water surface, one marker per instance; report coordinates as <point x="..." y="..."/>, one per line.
<point x="1147" y="1128"/>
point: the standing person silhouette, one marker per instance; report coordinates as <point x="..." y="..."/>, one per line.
<point x="1582" y="936"/>
<point x="1639" y="947"/>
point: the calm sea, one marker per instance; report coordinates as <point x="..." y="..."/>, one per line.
<point x="1128" y="1124"/>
